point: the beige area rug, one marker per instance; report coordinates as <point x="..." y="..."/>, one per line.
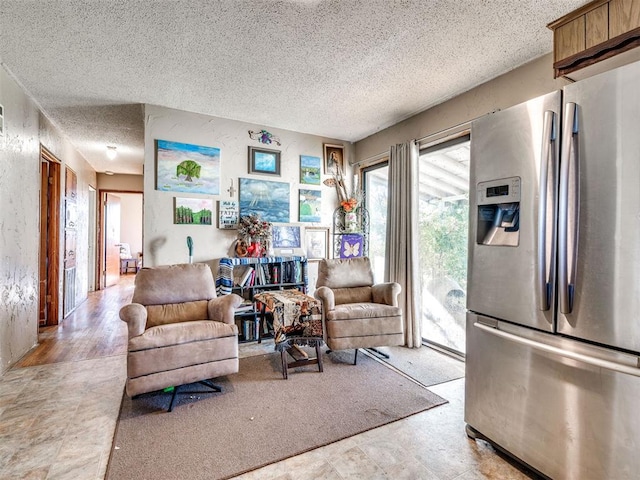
<point x="259" y="418"/>
<point x="425" y="365"/>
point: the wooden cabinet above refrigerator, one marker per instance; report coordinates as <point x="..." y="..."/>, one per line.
<point x="597" y="31"/>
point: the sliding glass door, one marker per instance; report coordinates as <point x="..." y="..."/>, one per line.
<point x="375" y="181"/>
<point x="443" y="229"/>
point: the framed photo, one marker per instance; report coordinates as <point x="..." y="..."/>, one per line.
<point x="264" y="161"/>
<point x="287" y="239"/>
<point x="333" y="158"/>
<point x="316" y="240"/>
<point x="181" y="167"/>
<point x="310" y="170"/>
<point x="310" y="206"/>
<point x="351" y="245"/>
<point x="269" y="200"/>
<point x="192" y="211"/>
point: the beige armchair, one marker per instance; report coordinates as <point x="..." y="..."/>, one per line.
<point x="357" y="313"/>
<point x="179" y="332"/>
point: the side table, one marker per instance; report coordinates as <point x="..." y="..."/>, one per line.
<point x="297" y="321"/>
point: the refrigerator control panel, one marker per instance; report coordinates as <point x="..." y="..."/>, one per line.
<point x="504" y="190"/>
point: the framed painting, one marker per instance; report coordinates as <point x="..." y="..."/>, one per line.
<point x="316" y="240"/>
<point x="310" y="170"/>
<point x="264" y="161"/>
<point x="310" y="205"/>
<point x="181" y="167"/>
<point x="351" y="245"/>
<point x="333" y="158"/>
<point x="192" y="211"/>
<point x="287" y="239"/>
<point x="269" y="200"/>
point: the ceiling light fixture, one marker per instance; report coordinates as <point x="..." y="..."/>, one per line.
<point x="111" y="152"/>
<point x="108" y="172"/>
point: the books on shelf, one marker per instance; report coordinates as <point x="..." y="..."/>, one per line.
<point x="241" y="275"/>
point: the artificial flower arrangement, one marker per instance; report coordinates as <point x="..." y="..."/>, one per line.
<point x="251" y="226"/>
<point x="349" y="202"/>
<point x="255" y="234"/>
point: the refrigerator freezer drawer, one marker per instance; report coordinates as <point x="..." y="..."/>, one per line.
<point x="565" y="417"/>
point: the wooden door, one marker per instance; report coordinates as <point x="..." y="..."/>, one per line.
<point x="49" y="263"/>
<point x="44" y="229"/>
<point x="112" y="239"/>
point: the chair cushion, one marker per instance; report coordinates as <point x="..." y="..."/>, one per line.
<point x="179" y="333"/>
<point x="362" y="311"/>
<point x="177" y="312"/>
<point x="353" y="295"/>
<point x="345" y="273"/>
<point x="174" y="284"/>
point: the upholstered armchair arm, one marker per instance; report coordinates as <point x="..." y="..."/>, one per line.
<point x="223" y="308"/>
<point x="386" y="293"/>
<point x="325" y="295"/>
<point x="135" y="315"/>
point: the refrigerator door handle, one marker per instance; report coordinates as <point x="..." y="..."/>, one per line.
<point x="580" y="357"/>
<point x="568" y="206"/>
<point x="547" y="167"/>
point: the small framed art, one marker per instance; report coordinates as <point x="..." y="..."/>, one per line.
<point x="228" y="214"/>
<point x="264" y="161"/>
<point x="333" y="158"/>
<point x="310" y="205"/>
<point x="351" y="245"/>
<point x="310" y="170"/>
<point x="287" y="239"/>
<point x="193" y="211"/>
<point x="316" y="241"/>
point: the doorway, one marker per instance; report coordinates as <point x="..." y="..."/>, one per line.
<point x="92" y="251"/>
<point x="443" y="199"/>
<point x="49" y="262"/>
<point x="120" y="222"/>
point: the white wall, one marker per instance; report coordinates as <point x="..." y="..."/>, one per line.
<point x="19" y="223"/>
<point x="517" y="86"/>
<point x="25" y="130"/>
<point x="164" y="242"/>
<point x="131" y="220"/>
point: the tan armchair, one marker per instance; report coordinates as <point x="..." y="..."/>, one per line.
<point x="357" y="313"/>
<point x="179" y="332"/>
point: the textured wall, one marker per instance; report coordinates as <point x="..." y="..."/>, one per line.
<point x="19" y="223"/>
<point x="517" y="86"/>
<point x="164" y="242"/>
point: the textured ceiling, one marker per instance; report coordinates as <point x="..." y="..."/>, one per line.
<point x="337" y="68"/>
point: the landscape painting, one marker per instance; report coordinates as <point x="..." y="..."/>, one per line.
<point x="181" y="167"/>
<point x="310" y="170"/>
<point x="269" y="200"/>
<point x="310" y="205"/>
<point x="193" y="211"/>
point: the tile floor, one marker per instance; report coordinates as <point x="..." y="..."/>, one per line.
<point x="57" y="422"/>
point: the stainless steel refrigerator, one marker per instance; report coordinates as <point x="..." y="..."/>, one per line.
<point x="553" y="322"/>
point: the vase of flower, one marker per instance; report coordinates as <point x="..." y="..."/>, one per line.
<point x="351" y="221"/>
<point x="255" y="248"/>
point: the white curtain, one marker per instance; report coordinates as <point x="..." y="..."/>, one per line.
<point x="401" y="259"/>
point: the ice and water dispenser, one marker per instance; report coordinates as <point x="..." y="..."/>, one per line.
<point x="499" y="212"/>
